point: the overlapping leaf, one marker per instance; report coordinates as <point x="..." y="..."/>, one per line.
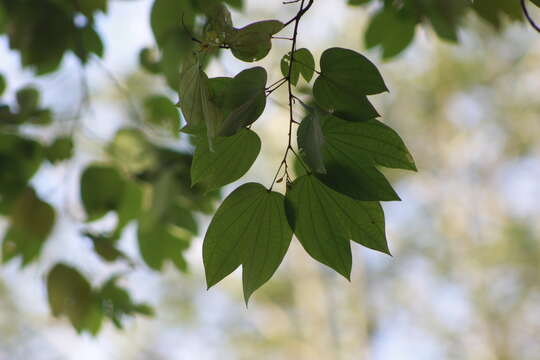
<point x="250" y="229"/>
<point x="324" y="221"/>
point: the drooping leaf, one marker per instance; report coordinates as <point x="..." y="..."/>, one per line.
<point x="324" y="221"/>
<point x="70" y="294"/>
<point x="304" y="64"/>
<point x="254" y="41"/>
<point x="231" y="159"/>
<point x="310" y="140"/>
<point x="250" y="228"/>
<point x="32" y="221"/>
<point x="391" y="30"/>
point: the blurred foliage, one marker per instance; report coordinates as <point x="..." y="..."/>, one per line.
<point x="144" y="181"/>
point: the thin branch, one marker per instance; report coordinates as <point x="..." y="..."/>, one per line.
<point x="292" y="97"/>
<point x="528" y="16"/>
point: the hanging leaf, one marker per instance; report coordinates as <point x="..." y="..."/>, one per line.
<point x="70" y="294"/>
<point x="32" y="221"/>
<point x="310" y="140"/>
<point x="254" y="41"/>
<point x="304" y="64"/>
<point x="250" y="229"/>
<point x="231" y="159"/>
<point x="324" y="221"/>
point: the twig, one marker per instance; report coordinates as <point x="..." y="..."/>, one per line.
<point x="528" y="16"/>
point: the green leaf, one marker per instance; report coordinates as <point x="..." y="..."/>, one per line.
<point x="245" y="98"/>
<point x="117" y="304"/>
<point x="536" y="2"/>
<point x="231" y="159"/>
<point x="310" y="140"/>
<point x="324" y="221"/>
<point x="369" y="142"/>
<point x="254" y="41"/>
<point x="161" y="111"/>
<point x="32" y="221"/>
<point x="166" y="17"/>
<point x="104" y="246"/>
<point x="3" y="84"/>
<point x="345" y="80"/>
<point x="101" y="190"/>
<point x="391" y="30"/>
<point x="70" y="294"/>
<point x="28" y="99"/>
<point x="314" y="220"/>
<point x="219" y="26"/>
<point x="165" y="228"/>
<point x="304" y="64"/>
<point x="250" y="229"/>
<point x="352" y="150"/>
<point x="61" y="149"/>
<point x="199" y="111"/>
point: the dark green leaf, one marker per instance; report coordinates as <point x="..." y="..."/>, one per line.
<point x="3" y="84"/>
<point x="101" y="190"/>
<point x="61" y="149"/>
<point x="245" y="98"/>
<point x="250" y="229"/>
<point x="28" y="99"/>
<point x="231" y="159"/>
<point x="32" y="221"/>
<point x="324" y="221"/>
<point x="70" y="294"/>
<point x="311" y="140"/>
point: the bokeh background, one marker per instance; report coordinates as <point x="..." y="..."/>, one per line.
<point x="464" y="279"/>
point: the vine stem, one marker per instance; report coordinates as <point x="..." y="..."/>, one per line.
<point x="296" y="20"/>
<point x="528" y="16"/>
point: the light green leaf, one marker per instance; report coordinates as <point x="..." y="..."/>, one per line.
<point x="161" y="111"/>
<point x="32" y="221"/>
<point x="310" y="140"/>
<point x="254" y="41"/>
<point x="231" y="159"/>
<point x="250" y="229"/>
<point x="304" y="64"/>
<point x="324" y="221"/>
<point x="70" y="294"/>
